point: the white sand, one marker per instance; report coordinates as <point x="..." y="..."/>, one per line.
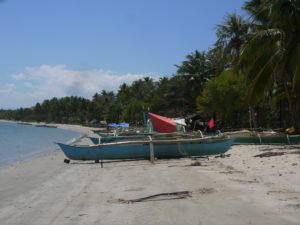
<point x="239" y="189"/>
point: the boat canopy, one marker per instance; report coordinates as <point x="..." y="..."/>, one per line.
<point x="123" y="124"/>
<point x="166" y="125"/>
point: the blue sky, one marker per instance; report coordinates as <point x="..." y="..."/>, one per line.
<point x="65" y="47"/>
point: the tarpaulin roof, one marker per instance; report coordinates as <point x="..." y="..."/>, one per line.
<point x="118" y="124"/>
<point x="162" y="124"/>
<point x="123" y="124"/>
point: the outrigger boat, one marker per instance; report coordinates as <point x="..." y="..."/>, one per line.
<point x="246" y="137"/>
<point x="155" y="124"/>
<point x="163" y="126"/>
<point x="267" y="140"/>
<point x="143" y="149"/>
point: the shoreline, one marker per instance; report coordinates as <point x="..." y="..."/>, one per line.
<point x="81" y="130"/>
<point x="240" y="189"/>
<point x="28" y="174"/>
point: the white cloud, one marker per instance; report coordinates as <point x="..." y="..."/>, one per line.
<point x="35" y="84"/>
<point x="19" y="76"/>
<point x="29" y="84"/>
<point x="7" y="88"/>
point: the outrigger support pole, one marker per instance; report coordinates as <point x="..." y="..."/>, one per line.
<point x="151" y="150"/>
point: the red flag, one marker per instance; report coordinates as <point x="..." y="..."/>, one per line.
<point x="211" y="123"/>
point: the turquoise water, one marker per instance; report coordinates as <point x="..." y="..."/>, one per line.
<point x="22" y="142"/>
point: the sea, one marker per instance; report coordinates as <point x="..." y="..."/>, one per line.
<point x="20" y="142"/>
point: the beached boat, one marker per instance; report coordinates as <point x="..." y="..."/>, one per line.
<point x="140" y="149"/>
<point x="267" y="140"/>
<point x="105" y="134"/>
<point x="246" y="137"/>
<point x="156" y="123"/>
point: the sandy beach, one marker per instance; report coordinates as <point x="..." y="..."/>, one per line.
<point x="238" y="189"/>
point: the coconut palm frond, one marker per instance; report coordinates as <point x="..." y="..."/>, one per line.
<point x="295" y="65"/>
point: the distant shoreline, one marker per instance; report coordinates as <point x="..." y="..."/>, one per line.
<point x="86" y="130"/>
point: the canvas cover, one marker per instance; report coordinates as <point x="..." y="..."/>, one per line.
<point x="162" y="124"/>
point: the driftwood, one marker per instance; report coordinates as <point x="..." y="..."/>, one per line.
<point x="165" y="196"/>
<point x="196" y="163"/>
<point x="269" y="154"/>
<point x="222" y="156"/>
<point x="199" y="157"/>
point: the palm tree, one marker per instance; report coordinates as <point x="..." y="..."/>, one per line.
<point x="216" y="61"/>
<point x="271" y="56"/>
<point x="192" y="74"/>
<point x="195" y="68"/>
<point x="232" y="35"/>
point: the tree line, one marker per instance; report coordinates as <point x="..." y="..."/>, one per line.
<point x="249" y="77"/>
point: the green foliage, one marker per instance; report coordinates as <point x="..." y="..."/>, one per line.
<point x="114" y="113"/>
<point x="232" y="35"/>
<point x="190" y="80"/>
<point x="64" y="110"/>
<point x="224" y="95"/>
<point x="133" y="112"/>
<point x="160" y="103"/>
<point x="270" y="59"/>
